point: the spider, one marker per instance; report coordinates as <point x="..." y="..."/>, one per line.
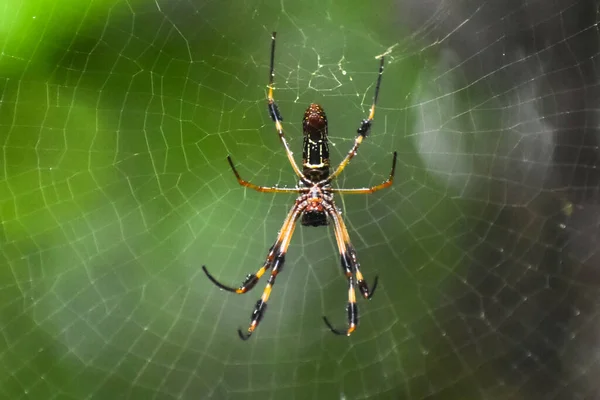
<point x="314" y="205"/>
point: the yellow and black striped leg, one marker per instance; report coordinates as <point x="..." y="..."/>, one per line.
<point x="351" y="308"/>
<point x="362" y="131"/>
<point x="350" y="266"/>
<point x="279" y="259"/>
<point x="252" y="279"/>
<point x="276" y="115"/>
<point x="351" y="258"/>
<point x="362" y="284"/>
<point x="261" y="304"/>
<point x="348" y="269"/>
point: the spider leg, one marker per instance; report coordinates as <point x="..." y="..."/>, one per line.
<point x="252" y="279"/>
<point x="350" y="266"/>
<point x="276" y="115"/>
<point x="279" y="259"/>
<point x="263" y="189"/>
<point x="362" y="131"/>
<point x="372" y="189"/>
<point x="351" y="252"/>
<point x="351" y="307"/>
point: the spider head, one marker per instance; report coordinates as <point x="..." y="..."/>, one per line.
<point x="314" y="123"/>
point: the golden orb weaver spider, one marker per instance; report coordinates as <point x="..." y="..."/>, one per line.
<point x="314" y="204"/>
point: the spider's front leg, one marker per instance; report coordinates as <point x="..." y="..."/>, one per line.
<point x="276" y="115"/>
<point x="362" y="131"/>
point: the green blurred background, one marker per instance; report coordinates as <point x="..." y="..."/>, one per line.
<point x="116" y="118"/>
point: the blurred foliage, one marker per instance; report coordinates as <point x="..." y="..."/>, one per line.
<point x="116" y="118"/>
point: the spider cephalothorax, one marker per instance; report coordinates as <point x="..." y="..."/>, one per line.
<point x="314" y="204"/>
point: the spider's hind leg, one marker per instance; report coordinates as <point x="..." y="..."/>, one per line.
<point x="252" y="279"/>
<point x="351" y="270"/>
<point x="261" y="305"/>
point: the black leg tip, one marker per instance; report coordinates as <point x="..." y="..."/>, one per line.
<point x="230" y="161"/>
<point x="216" y="282"/>
<point x="374" y="287"/>
<point x="244" y="336"/>
<point x="332" y="329"/>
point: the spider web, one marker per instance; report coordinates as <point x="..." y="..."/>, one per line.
<point x="116" y="118"/>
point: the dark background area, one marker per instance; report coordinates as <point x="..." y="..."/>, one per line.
<point x="526" y="312"/>
<point x="115" y="121"/>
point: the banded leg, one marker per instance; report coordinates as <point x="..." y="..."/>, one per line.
<point x="279" y="260"/>
<point x="252" y="279"/>
<point x="351" y="307"/>
<point x="350" y="266"/>
<point x="276" y="115"/>
<point x="372" y="189"/>
<point x="362" y="131"/>
<point x="362" y="284"/>
<point x="263" y="189"/>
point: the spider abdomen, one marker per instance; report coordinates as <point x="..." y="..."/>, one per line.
<point x="314" y="218"/>
<point x="314" y="214"/>
<point x="315" y="151"/>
